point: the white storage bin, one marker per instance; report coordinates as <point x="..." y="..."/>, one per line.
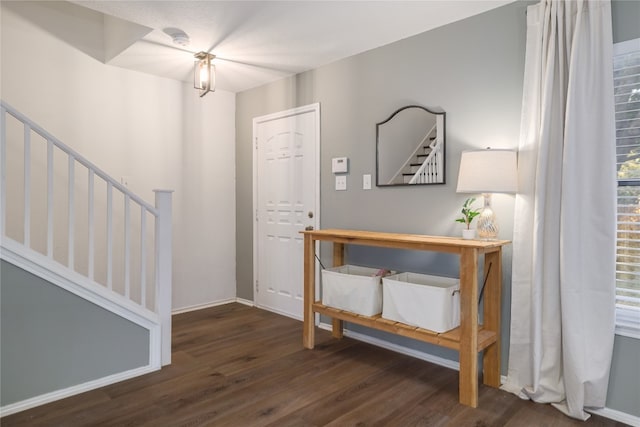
<point x="429" y="302"/>
<point x="352" y="288"/>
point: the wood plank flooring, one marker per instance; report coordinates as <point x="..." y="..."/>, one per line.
<point x="235" y="365"/>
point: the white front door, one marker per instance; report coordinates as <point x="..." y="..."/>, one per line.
<point x="286" y="189"/>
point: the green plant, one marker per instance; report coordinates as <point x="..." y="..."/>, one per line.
<point x="468" y="214"/>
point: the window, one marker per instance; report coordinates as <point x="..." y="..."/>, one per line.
<point x="626" y="82"/>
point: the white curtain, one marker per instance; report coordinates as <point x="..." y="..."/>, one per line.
<point x="563" y="285"/>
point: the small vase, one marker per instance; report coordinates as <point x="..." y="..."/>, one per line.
<point x="469" y="234"/>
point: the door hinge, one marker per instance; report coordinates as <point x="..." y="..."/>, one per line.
<point x="256" y="143"/>
<point x="256" y="215"/>
<point x="257" y="287"/>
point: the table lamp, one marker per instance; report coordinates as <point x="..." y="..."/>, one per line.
<point x="488" y="171"/>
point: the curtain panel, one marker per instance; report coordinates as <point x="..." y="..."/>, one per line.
<point x="563" y="284"/>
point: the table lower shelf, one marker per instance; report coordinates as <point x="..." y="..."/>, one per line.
<point x="449" y="339"/>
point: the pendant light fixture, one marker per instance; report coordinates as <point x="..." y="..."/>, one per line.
<point x="204" y="73"/>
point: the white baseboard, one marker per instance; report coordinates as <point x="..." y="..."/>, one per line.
<point x="245" y="302"/>
<point x="73" y="390"/>
<point x="212" y="304"/>
<point x="280" y="312"/>
<point x="612" y="414"/>
<point x="397" y="348"/>
<point x="202" y="306"/>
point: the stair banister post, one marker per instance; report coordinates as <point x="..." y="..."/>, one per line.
<point x="164" y="242"/>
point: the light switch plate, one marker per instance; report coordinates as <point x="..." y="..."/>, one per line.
<point x="366" y="181"/>
<point x="341" y="183"/>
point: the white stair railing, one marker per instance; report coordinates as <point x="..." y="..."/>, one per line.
<point x="432" y="169"/>
<point x="418" y="150"/>
<point x="135" y="252"/>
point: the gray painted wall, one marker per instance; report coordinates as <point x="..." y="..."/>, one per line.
<point x="624" y="382"/>
<point x="52" y="339"/>
<point x="473" y="70"/>
<point x="626" y="16"/>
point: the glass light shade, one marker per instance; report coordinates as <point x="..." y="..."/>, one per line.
<point x="204" y="73"/>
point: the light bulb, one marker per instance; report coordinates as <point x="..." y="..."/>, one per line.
<point x="204" y="76"/>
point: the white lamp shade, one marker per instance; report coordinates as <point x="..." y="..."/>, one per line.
<point x="488" y="171"/>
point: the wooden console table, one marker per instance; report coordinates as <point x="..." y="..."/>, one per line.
<point x="468" y="339"/>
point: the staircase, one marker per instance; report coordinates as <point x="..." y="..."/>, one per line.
<point x="418" y="172"/>
<point x="66" y="221"/>
<point x="426" y="164"/>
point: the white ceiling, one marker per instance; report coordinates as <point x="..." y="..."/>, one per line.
<point x="256" y="42"/>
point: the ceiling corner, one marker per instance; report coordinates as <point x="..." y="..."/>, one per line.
<point x="120" y="34"/>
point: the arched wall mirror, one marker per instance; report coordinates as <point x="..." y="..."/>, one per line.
<point x="410" y="148"/>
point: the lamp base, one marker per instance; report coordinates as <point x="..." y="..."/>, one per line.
<point x="487" y="224"/>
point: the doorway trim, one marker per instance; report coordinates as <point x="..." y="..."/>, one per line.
<point x="311" y="108"/>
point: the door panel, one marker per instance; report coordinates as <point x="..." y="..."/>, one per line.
<point x="286" y="182"/>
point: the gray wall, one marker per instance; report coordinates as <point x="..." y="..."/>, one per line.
<point x="624" y="382"/>
<point x="626" y="18"/>
<point x="52" y="339"/>
<point x="473" y="70"/>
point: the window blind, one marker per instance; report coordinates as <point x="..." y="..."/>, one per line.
<point x="626" y="78"/>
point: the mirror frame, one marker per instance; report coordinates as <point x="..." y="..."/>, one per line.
<point x="444" y="147"/>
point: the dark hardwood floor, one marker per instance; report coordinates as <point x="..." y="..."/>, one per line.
<point x="239" y="366"/>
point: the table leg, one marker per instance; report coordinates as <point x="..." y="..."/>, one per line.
<point x="338" y="260"/>
<point x="308" y="337"/>
<point x="492" y="298"/>
<point x="468" y="379"/>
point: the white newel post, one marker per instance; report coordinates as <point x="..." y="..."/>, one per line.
<point x="164" y="244"/>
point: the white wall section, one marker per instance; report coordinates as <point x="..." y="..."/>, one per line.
<point x="156" y="132"/>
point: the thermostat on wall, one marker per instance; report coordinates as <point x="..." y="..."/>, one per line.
<point x="339" y="165"/>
